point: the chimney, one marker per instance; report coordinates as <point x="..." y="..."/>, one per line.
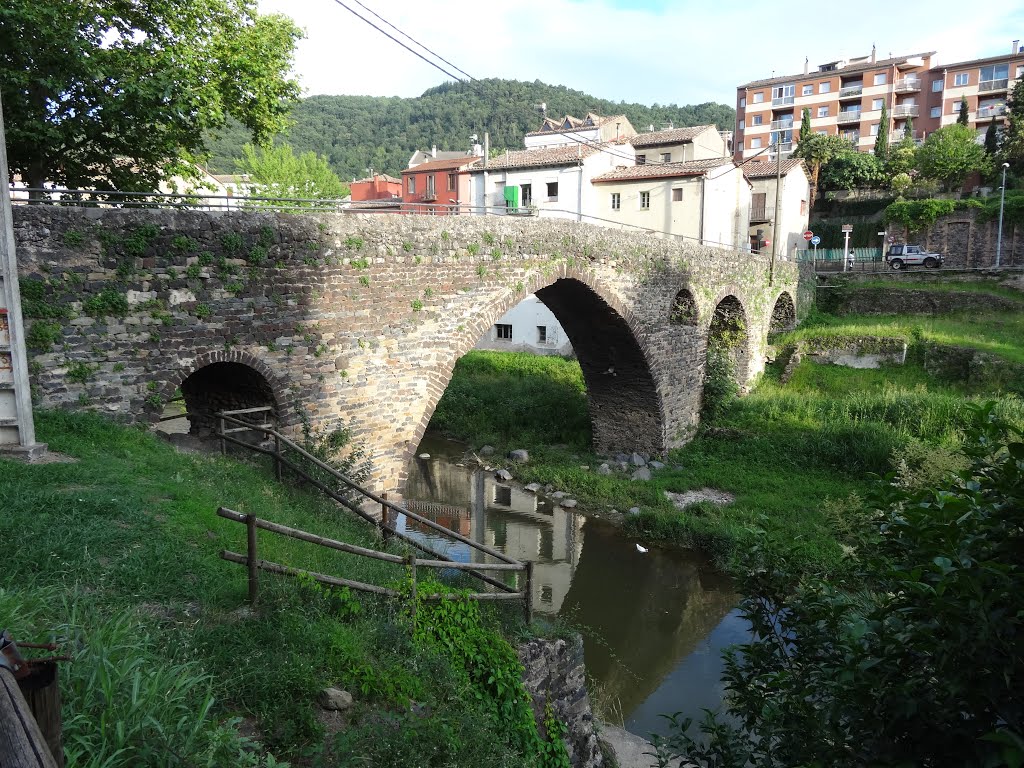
<point x="807" y="64"/>
<point x="1014" y="50"/>
<point x="433" y="151"/>
<point x="873" y="53"/>
<point x="487" y="147"/>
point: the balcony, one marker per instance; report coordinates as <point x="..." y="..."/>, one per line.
<point x="904" y="110"/>
<point x="759" y="214"/>
<point x="782" y="125"/>
<point x="988" y="113"/>
<point x="907" y="85"/>
<point x="992" y="86"/>
<point x="846" y="117"/>
<point x="851" y="91"/>
<point x="897" y="136"/>
<point x="783" y="101"/>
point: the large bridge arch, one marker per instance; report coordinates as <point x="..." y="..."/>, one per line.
<point x="359" y="319"/>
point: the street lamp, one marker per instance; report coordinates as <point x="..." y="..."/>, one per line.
<point x="1002" y="202"/>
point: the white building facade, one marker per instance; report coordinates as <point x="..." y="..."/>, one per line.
<point x="528" y="327"/>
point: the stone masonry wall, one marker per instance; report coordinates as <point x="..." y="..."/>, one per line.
<point x="967" y="242"/>
<point x="360" y="318"/>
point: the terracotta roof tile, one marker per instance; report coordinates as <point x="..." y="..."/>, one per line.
<point x="765" y="169"/>
<point x="441" y="165"/>
<point x="663" y="170"/>
<point x="671" y="136"/>
<point x="567" y="154"/>
<point x="579" y="124"/>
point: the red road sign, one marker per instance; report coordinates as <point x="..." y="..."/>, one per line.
<point x="808" y="235"/>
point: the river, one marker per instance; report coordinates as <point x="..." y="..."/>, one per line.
<point x="653" y="623"/>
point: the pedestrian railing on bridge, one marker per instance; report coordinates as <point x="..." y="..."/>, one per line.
<point x="831" y="259"/>
<point x="286" y="454"/>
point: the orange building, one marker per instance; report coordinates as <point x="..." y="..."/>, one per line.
<point x="438" y="187"/>
<point x="379" y="186"/>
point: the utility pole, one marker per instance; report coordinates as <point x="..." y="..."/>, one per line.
<point x="778" y="207"/>
<point x="17" y="430"/>
<point x="1002" y="202"/>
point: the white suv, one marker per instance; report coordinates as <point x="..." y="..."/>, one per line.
<point x="900" y="256"/>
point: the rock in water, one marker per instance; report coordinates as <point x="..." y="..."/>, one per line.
<point x="504" y="475"/>
<point x="521" y="456"/>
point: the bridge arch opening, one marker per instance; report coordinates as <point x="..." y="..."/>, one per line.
<point x="684" y="309"/>
<point x="221" y="386"/>
<point x="783" y="314"/>
<point x="728" y="343"/>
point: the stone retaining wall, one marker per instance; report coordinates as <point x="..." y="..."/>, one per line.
<point x="839" y="299"/>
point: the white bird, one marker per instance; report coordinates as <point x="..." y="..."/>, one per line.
<point x="641" y="550"/>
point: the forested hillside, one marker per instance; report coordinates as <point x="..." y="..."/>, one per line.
<point x="360" y="132"/>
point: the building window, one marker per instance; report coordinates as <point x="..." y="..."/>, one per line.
<point x="880" y="78"/>
<point x="451" y="182"/>
<point x="503" y="331"/>
<point x="758" y="97"/>
<point x="936" y="112"/>
<point x="666" y="157"/>
<point x="755" y="143"/>
<point x="743" y="124"/>
<point x="677" y="194"/>
<point x="807" y="90"/>
<point x="641" y="159"/>
<point x="743" y="102"/>
<point x="995" y="72"/>
<point x="430" y="185"/>
<point x="756" y="119"/>
<point x="960" y="78"/>
<point x="824" y="87"/>
<point x="526" y="193"/>
<point x="616" y="201"/>
<point x="822" y="111"/>
<point x="876" y="104"/>
<point x="874" y="129"/>
<point x="822" y="132"/>
<point x="552" y="190"/>
<point x="936" y="86"/>
<point x="412" y="185"/>
<point x="542" y="334"/>
<point x="1020" y="71"/>
<point x="645" y="200"/>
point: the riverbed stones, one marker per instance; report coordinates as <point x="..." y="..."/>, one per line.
<point x="424" y="456"/>
<point x="713" y="495"/>
<point x="604" y="469"/>
<point x="641" y="474"/>
<point x="655" y="465"/>
<point x="334" y="699"/>
<point x="487" y="450"/>
<point x="568" y="503"/>
<point x="637" y="460"/>
<point x="504" y="475"/>
<point x="532" y="487"/>
<point x="520" y="456"/>
<point x="634" y="510"/>
<point x="558" y="495"/>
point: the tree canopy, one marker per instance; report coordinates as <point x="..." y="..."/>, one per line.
<point x="949" y="154"/>
<point x="356" y="133"/>
<point x="278" y="172"/>
<point x="115" y="94"/>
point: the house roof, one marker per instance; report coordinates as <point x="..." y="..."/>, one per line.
<point x="976" y="62"/>
<point x="860" y="67"/>
<point x="443" y="165"/>
<point x="767" y="169"/>
<point x="670" y="136"/>
<point x="375" y="177"/>
<point x="568" y="154"/>
<point x="575" y="124"/>
<point x="663" y="170"/>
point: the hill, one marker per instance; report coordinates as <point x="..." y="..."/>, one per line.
<point x="360" y="132"/>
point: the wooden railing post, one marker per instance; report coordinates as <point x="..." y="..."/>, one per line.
<point x="254" y="578"/>
<point x="223" y="444"/>
<point x="385" y="520"/>
<point x="22" y="744"/>
<point x="277" y="456"/>
<point x="528" y="602"/>
<point x="412" y="590"/>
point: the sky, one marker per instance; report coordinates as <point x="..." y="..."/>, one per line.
<point x="646" y="51"/>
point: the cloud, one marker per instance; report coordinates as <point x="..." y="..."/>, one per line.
<point x="650" y="52"/>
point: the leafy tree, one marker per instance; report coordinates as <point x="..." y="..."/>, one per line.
<point x="949" y="154"/>
<point x="278" y="172"/>
<point x="882" y="139"/>
<point x="1011" y="148"/>
<point x="852" y="170"/>
<point x="991" y="140"/>
<point x="818" y="150"/>
<point x="114" y="94"/>
<point x="805" y="124"/>
<point x="913" y="661"/>
<point x="964" y="118"/>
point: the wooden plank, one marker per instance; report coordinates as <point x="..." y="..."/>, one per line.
<point x="21" y="742"/>
<point x="471" y="566"/>
<point x="256" y="409"/>
<point x="41" y="689"/>
<point x="285" y="570"/>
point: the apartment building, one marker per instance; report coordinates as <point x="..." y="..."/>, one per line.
<point x="845" y="98"/>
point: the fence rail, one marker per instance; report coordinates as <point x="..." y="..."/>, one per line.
<point x="437" y="559"/>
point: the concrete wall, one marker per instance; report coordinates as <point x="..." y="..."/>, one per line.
<point x="359" y="319"/>
<point x="726" y="207"/>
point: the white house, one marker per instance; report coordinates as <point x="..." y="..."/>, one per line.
<point x="553" y="181"/>
<point x="793" y="213"/>
<point x="592" y="129"/>
<point x="679" y="145"/>
<point x="528" y="327"/>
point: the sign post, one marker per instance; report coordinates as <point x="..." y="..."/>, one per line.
<point x="814" y="241"/>
<point x="847" y="229"/>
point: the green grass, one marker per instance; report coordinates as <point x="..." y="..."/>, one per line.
<point x="928" y="283"/>
<point x="118" y="553"/>
<point x="999" y="333"/>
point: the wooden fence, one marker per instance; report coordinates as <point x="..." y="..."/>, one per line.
<point x="389" y="513"/>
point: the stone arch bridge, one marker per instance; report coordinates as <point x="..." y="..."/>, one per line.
<point x="360" y="318"/>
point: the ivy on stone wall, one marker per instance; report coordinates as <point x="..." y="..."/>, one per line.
<point x="917" y="215"/>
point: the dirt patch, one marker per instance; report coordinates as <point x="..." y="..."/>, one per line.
<point x="54" y="457"/>
<point x="683" y="500"/>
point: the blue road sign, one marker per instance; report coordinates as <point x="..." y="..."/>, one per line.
<point x="815" y="240"/>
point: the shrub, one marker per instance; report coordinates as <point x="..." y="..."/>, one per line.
<point x="109" y="301"/>
<point x="43" y="335"/>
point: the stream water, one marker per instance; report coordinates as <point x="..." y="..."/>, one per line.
<point x="653" y="623"/>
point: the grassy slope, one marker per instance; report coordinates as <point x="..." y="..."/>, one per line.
<point x="127" y="537"/>
<point x="793" y="454"/>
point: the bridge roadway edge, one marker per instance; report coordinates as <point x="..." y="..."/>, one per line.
<point x="359" y="319"/>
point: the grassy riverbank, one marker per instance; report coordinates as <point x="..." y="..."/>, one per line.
<point x="797" y="456"/>
<point x="117" y="554"/>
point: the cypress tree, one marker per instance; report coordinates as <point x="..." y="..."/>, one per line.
<point x="882" y="139"/>
<point x="964" y="118"/>
<point x="991" y="140"/>
<point x="805" y="124"/>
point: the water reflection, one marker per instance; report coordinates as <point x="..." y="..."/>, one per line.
<point x="652" y="622"/>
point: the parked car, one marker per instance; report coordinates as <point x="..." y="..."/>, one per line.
<point x="900" y="256"/>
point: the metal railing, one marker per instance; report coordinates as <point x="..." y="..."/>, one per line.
<point x="905" y="110"/>
<point x="783" y="101"/>
<point x="851" y="90"/>
<point x="993" y="85"/>
<point x="848" y="116"/>
<point x="281" y="444"/>
<point x="985" y="113"/>
<point x="782" y="125"/>
<point x="907" y="85"/>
